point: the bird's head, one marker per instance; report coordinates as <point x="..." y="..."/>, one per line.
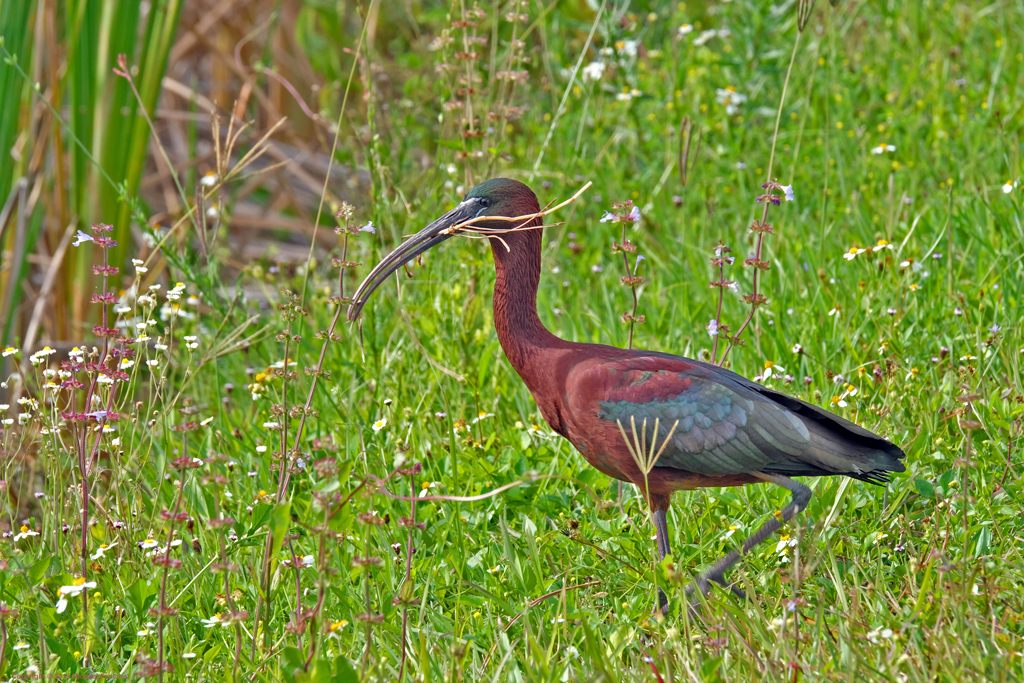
<point x="485" y="210"/>
<point x="501" y="197"/>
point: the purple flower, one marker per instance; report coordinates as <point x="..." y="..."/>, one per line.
<point x="368" y="228"/>
<point x="994" y="328"/>
<point x="608" y="216"/>
<point x="82" y="237"/>
<point x="636" y="264"/>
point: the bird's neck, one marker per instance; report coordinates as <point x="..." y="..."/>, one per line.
<point x="523" y="337"/>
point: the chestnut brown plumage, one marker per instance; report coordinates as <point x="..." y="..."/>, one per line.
<point x="717" y="428"/>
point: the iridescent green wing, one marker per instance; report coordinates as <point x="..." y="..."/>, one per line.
<point x="714" y="424"/>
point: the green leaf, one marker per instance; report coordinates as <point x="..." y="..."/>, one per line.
<point x="260" y="516"/>
<point x="710" y="669"/>
<point x="138" y="595"/>
<point x="330" y="486"/>
<point x="211" y="653"/>
<point x="343" y="671"/>
<point x="925" y="488"/>
<point x="475" y="560"/>
<point x="452" y="144"/>
<point x="68" y="665"/>
<point x="405" y="593"/>
<point x="319" y="672"/>
<point x="483" y="367"/>
<point x="279" y="524"/>
<point x="38" y="570"/>
<point x="292" y="661"/>
<point x="595" y="652"/>
<point x="984" y="542"/>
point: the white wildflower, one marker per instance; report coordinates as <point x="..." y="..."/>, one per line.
<point x="730" y="98"/>
<point x="593" y="71"/>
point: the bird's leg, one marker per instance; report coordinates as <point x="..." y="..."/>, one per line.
<point x="801" y="496"/>
<point x="661" y="531"/>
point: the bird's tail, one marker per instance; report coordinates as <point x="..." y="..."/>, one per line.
<point x="838" y="446"/>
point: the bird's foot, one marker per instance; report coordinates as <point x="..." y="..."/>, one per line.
<point x="662" y="607"/>
<point x="703" y="584"/>
<point x="736" y="590"/>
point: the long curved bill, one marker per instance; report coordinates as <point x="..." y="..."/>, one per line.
<point x="428" y="237"/>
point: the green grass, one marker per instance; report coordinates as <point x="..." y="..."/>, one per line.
<point x="919" y="581"/>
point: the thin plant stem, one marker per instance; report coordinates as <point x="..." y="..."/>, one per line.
<point x="321" y="554"/>
<point x="83" y="461"/>
<point x="764" y="214"/>
<point x="654" y="548"/>
<point x="718" y="310"/>
<point x="284" y="480"/>
<point x="285" y="476"/>
<point x="514" y="58"/>
<point x="282" y="484"/>
<point x="125" y="73"/>
<point x="3" y="638"/>
<point x="468" y="101"/>
<point x="646" y="459"/>
<point x="163" y="609"/>
<point x="632" y="288"/>
<point x="330" y="167"/>
<point x="227" y="588"/>
<point x="321" y="563"/>
<point x="408" y="577"/>
<point x="298" y="591"/>
<point x="367" y="622"/>
<point x="568" y="89"/>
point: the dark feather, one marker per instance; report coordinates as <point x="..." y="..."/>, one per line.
<point x="725" y="424"/>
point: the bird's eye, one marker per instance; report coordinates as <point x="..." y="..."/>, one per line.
<point x="484" y="201"/>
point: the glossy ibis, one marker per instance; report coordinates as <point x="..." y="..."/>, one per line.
<point x="718" y="428"/>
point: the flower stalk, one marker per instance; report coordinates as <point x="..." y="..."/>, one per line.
<point x="646" y="458"/>
<point x="715" y="327"/>
<point x="762" y="227"/>
<point x="627" y="214"/>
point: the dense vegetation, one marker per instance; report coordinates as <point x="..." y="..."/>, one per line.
<point x="208" y="473"/>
